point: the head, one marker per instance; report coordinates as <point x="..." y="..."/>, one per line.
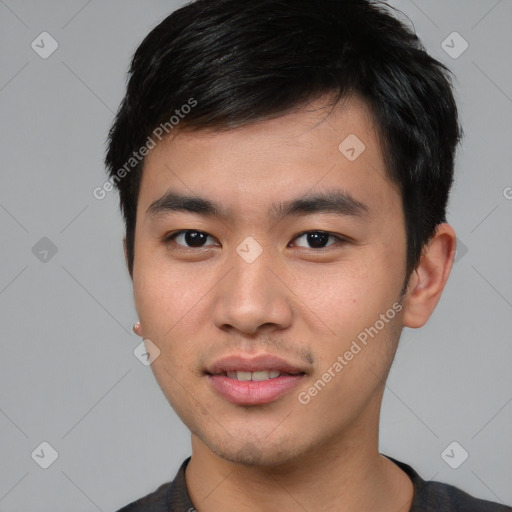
<point x="279" y="118"/>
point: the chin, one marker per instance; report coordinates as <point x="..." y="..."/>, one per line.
<point x="253" y="452"/>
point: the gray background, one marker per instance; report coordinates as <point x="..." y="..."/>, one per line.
<point x="68" y="375"/>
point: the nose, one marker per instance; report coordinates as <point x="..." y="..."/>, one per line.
<point x="253" y="296"/>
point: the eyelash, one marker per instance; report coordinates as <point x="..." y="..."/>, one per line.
<point x="170" y="238"/>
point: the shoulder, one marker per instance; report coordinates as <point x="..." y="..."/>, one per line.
<point x="446" y="497"/>
<point x="168" y="497"/>
<point x="153" y="502"/>
<point x="432" y="496"/>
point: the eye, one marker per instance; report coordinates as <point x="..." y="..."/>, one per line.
<point x="192" y="239"/>
<point x="188" y="238"/>
<point x="318" y="239"/>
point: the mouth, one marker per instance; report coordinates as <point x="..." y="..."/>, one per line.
<point x="256" y="376"/>
<point x="255" y="381"/>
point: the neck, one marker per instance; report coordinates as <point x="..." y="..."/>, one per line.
<point x="344" y="474"/>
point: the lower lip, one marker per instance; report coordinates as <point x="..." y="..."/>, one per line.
<point x="250" y="392"/>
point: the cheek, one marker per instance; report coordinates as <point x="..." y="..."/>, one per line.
<point x="168" y="307"/>
<point x="169" y="302"/>
<point x="349" y="295"/>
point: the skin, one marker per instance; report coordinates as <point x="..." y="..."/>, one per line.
<point x="296" y="301"/>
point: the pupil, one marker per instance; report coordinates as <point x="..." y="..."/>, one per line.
<point x="317" y="239"/>
<point x="194" y="238"/>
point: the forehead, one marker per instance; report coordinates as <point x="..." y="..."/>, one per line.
<point x="317" y="148"/>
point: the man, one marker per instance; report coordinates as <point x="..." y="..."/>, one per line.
<point x="284" y="168"/>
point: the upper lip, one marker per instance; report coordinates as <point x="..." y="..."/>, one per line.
<point x="263" y="362"/>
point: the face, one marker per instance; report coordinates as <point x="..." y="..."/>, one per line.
<point x="297" y="269"/>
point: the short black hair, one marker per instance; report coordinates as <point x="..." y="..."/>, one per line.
<point x="237" y="62"/>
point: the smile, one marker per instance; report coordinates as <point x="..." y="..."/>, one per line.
<point x="258" y="376"/>
<point x="254" y="388"/>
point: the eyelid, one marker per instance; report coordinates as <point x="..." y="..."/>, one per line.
<point x="169" y="237"/>
<point x="341" y="239"/>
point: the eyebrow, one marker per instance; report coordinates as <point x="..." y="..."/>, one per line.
<point x="338" y="202"/>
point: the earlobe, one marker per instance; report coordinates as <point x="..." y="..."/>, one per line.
<point x="428" y="280"/>
<point x="137" y="329"/>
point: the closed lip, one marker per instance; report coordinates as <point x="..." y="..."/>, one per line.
<point x="261" y="362"/>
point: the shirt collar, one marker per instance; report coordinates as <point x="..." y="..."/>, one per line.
<point x="178" y="498"/>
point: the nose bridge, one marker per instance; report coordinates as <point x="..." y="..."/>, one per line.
<point x="251" y="295"/>
<point x="252" y="275"/>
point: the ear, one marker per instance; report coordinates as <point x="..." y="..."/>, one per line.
<point x="427" y="282"/>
